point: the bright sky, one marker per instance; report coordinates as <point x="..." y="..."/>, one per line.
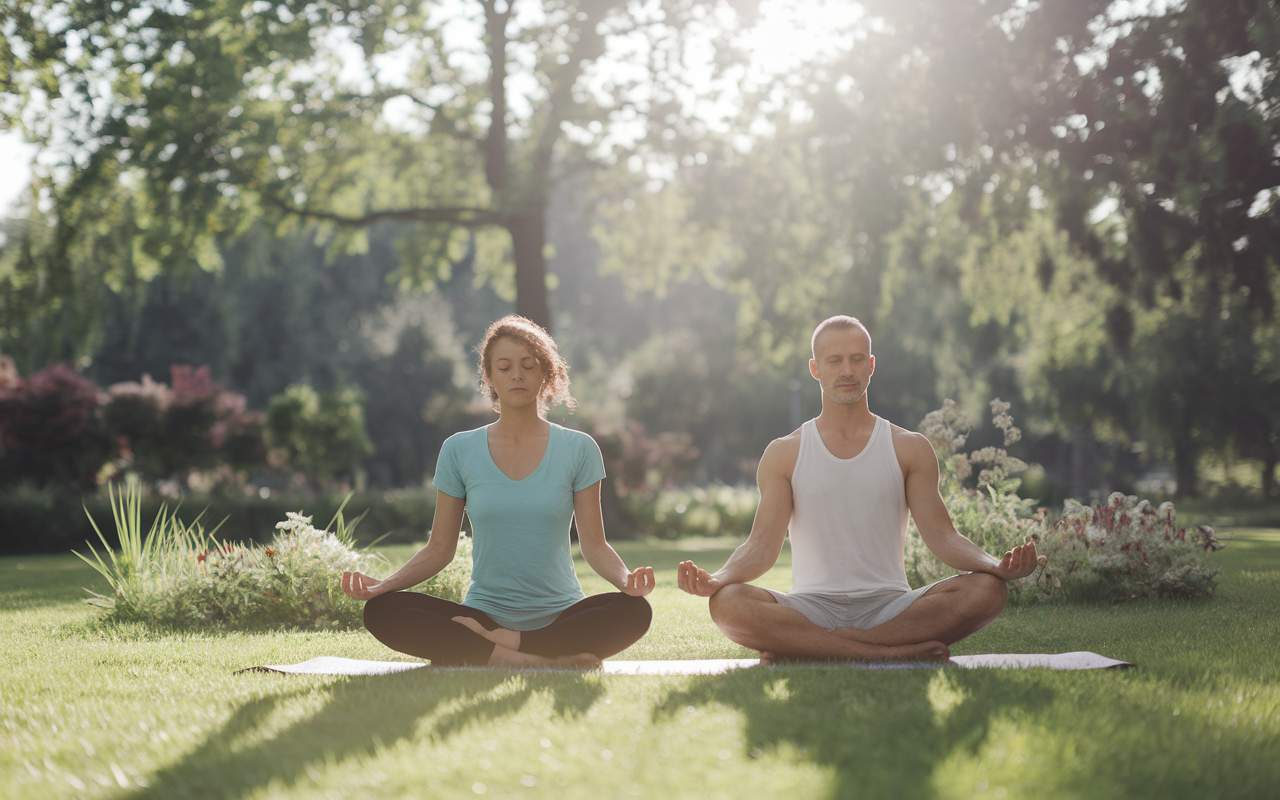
<point x="15" y="169"/>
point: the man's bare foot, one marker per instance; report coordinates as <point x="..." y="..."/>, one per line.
<point x="500" y="636"/>
<point x="925" y="651"/>
<point x="505" y="657"/>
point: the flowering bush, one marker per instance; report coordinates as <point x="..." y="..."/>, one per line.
<point x="195" y="424"/>
<point x="1124" y="550"/>
<point x="1121" y="550"/>
<point x="177" y="576"/>
<point x="51" y="428"/>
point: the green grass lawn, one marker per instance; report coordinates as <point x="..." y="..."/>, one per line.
<point x="89" y="711"/>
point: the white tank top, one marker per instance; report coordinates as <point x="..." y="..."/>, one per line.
<point x="849" y="518"/>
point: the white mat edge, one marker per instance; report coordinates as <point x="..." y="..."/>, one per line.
<point x="1076" y="660"/>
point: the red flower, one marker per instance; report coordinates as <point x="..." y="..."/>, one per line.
<point x="201" y="557"/>
<point x="270" y="553"/>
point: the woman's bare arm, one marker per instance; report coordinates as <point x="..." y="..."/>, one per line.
<point x="598" y="553"/>
<point x="425" y="564"/>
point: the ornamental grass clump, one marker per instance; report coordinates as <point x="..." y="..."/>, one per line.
<point x="178" y="576"/>
<point x="1124" y="550"/>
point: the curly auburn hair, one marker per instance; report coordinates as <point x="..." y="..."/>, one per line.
<point x="555" y="371"/>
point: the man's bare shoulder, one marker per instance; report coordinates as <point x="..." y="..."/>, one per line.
<point x="781" y="455"/>
<point x="913" y="449"/>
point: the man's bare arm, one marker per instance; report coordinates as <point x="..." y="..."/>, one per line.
<point x="920" y="470"/>
<point x="759" y="552"/>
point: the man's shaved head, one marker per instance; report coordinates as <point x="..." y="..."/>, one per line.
<point x="838" y="322"/>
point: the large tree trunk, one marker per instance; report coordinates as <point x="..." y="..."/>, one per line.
<point x="529" y="238"/>
<point x="1269" y="473"/>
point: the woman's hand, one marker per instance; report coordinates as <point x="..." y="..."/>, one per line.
<point x="359" y="586"/>
<point x="639" y="583"/>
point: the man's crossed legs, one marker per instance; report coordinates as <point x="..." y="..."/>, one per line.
<point x="948" y="612"/>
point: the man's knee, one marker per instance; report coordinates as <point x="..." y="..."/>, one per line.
<point x="990" y="593"/>
<point x="726" y="605"/>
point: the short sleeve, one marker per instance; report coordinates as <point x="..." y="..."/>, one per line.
<point x="448" y="477"/>
<point x="590" y="463"/>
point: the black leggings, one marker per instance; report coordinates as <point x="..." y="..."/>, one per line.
<point x="422" y="626"/>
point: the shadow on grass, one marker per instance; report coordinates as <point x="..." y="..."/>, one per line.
<point x="362" y="716"/>
<point x="881" y="732"/>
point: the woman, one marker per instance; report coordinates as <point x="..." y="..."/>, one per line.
<point x="521" y="480"/>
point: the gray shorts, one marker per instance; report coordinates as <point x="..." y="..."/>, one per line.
<point x="833" y="611"/>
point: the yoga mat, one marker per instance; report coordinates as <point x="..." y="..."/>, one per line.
<point x="333" y="665"/>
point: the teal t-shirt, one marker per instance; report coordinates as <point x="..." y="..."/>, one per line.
<point x="522" y="571"/>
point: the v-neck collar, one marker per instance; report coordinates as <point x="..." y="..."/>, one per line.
<point x="546" y="451"/>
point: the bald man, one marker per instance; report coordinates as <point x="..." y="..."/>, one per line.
<point x="843" y="485"/>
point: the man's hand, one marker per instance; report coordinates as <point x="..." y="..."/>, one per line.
<point x="359" y="586"/>
<point x="1019" y="562"/>
<point x="696" y="580"/>
<point x="640" y="582"/>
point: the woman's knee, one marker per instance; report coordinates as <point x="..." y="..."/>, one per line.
<point x="638" y="611"/>
<point x="379" y="610"/>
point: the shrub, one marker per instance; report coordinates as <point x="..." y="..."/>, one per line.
<point x="321" y="434"/>
<point x="1121" y="550"/>
<point x="52" y="519"/>
<point x="694" y="511"/>
<point x="196" y="424"/>
<point x="51" y="429"/>
<point x="177" y="576"/>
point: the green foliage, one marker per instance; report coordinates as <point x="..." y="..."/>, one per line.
<point x="322" y="434"/>
<point x="52" y="519"/>
<point x="176" y="575"/>
<point x="716" y="510"/>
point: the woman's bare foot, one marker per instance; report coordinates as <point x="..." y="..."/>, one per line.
<point x="505" y="657"/>
<point x="767" y="658"/>
<point x="500" y="636"/>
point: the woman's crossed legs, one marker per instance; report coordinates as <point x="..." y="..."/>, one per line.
<point x="451" y="634"/>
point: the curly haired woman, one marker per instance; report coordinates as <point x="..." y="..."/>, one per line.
<point x="520" y="480"/>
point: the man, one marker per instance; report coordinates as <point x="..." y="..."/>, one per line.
<point x="844" y="484"/>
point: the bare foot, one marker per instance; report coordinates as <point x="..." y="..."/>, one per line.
<point x="499" y="636"/>
<point x="767" y="658"/>
<point x="505" y="657"/>
<point x="925" y="651"/>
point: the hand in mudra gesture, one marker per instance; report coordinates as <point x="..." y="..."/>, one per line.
<point x="640" y="582"/>
<point x="1019" y="562"/>
<point x="359" y="586"/>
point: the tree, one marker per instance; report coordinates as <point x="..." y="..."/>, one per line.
<point x="213" y="115"/>
<point x="1144" y="132"/>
